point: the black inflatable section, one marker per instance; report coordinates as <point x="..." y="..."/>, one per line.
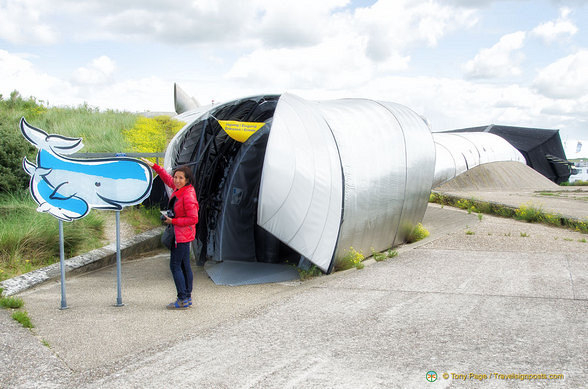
<point x="542" y="149"/>
<point x="227" y="174"/>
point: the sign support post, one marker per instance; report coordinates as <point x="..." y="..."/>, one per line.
<point x="62" y="265"/>
<point x="119" y="302"/>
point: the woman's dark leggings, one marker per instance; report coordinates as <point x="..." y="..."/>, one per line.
<point x="179" y="265"/>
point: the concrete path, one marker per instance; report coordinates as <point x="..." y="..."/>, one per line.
<point x="482" y="299"/>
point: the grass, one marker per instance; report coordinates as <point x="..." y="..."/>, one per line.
<point x="23" y="318"/>
<point x="312" y="272"/>
<point x="35" y="242"/>
<point x="575" y="183"/>
<point x="11" y="302"/>
<point x="101" y="131"/>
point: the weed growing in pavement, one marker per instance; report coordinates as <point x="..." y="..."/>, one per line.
<point x="524" y="235"/>
<point x="11" y="302"/>
<point x="583" y="240"/>
<point x="470" y="232"/>
<point x="378" y="257"/>
<point x="23" y="318"/>
<point x="312" y="272"/>
<point x="352" y="258"/>
<point x="480" y="216"/>
<point x="418" y="232"/>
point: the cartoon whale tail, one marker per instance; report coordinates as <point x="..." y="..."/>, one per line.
<point x="31" y="169"/>
<point x="56" y="143"/>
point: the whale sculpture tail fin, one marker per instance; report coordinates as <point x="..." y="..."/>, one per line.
<point x="32" y="169"/>
<point x="28" y="167"/>
<point x="56" y="143"/>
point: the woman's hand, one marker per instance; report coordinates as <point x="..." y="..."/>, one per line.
<point x="167" y="220"/>
<point x="148" y="162"/>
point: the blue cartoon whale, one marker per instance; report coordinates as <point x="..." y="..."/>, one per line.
<point x="68" y="188"/>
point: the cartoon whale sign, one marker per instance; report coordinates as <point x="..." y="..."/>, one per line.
<point x="68" y="188"/>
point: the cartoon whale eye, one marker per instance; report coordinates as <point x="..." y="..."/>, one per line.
<point x="97" y="183"/>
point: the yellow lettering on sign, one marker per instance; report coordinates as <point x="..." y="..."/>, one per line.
<point x="240" y="131"/>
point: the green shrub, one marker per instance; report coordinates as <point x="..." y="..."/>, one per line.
<point x="151" y="135"/>
<point x="13" y="146"/>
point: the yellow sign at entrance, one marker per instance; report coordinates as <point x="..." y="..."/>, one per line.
<point x="240" y="131"/>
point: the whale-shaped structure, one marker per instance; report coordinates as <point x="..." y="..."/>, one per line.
<point x="319" y="178"/>
<point x="316" y="180"/>
<point x="68" y="188"/>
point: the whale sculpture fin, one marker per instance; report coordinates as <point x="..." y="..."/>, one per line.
<point x="56" y="143"/>
<point x="28" y="166"/>
<point x="31" y="169"/>
<point x="58" y="192"/>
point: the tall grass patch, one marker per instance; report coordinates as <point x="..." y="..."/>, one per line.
<point x="30" y="240"/>
<point x="101" y="131"/>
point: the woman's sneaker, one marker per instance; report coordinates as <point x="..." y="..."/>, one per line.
<point x="189" y="300"/>
<point x="178" y="304"/>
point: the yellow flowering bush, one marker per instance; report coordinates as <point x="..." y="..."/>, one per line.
<point x="151" y="135"/>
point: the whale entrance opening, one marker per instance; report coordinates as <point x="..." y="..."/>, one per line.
<point x="227" y="175"/>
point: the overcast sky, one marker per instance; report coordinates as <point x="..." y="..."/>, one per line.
<point x="459" y="63"/>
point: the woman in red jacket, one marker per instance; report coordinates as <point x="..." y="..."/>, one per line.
<point x="184" y="222"/>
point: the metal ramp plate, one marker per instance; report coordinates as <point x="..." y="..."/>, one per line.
<point x="234" y="273"/>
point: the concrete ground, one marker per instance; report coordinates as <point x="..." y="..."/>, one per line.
<point x="485" y="299"/>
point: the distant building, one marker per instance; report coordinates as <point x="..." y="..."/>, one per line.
<point x="581" y="171"/>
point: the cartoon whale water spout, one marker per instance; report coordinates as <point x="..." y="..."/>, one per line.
<point x="68" y="188"/>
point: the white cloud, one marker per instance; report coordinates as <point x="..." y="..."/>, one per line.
<point x="392" y="26"/>
<point x="501" y="60"/>
<point x="566" y="78"/>
<point x="99" y="71"/>
<point x="553" y="31"/>
<point x="20" y="22"/>
<point x="19" y="74"/>
<point x="294" y="23"/>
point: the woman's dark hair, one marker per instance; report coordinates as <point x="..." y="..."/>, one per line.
<point x="187" y="173"/>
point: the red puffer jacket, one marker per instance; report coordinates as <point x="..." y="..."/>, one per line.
<point x="185" y="208"/>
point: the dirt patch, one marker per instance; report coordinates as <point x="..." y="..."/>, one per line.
<point x="126" y="230"/>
